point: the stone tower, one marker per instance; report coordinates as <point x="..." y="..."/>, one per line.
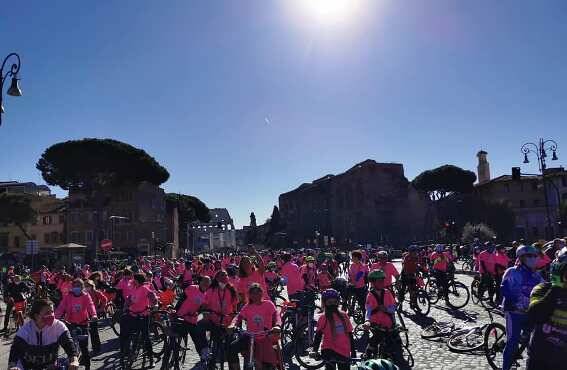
<point x="483" y="168"/>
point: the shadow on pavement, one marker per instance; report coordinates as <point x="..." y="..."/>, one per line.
<point x="469" y="316"/>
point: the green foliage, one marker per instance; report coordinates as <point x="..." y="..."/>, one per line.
<point x="444" y="180"/>
<point x="190" y="208"/>
<point x="91" y="164"/>
<point x="16" y="210"/>
<point x="480" y="231"/>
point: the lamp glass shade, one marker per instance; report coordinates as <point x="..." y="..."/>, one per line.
<point x="14" y="89"/>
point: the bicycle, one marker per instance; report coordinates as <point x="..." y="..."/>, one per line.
<point x="388" y="344"/>
<point x="298" y="313"/>
<point x="157" y="338"/>
<point x="19" y="314"/>
<point x="353" y="306"/>
<point x="249" y="360"/>
<point x="421" y="304"/>
<point x="80" y="335"/>
<point x="456" y="295"/>
<point x="495" y="342"/>
<point x="174" y="351"/>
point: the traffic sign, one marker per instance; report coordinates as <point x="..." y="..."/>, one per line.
<point x="106" y="245"/>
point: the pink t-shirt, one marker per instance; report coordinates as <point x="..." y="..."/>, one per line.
<point x="356" y="274"/>
<point x="501" y="261"/>
<point x="487" y="259"/>
<point x="125" y="285"/>
<point x="76" y="310"/>
<point x="439" y="261"/>
<point x="190" y="307"/>
<point x="290" y="271"/>
<point x="221" y="302"/>
<point x="259" y="317"/>
<point x="389" y="270"/>
<point x="139" y="300"/>
<point x="340" y="341"/>
<point x="245" y="282"/>
<point x="309" y="277"/>
<point x="380" y="318"/>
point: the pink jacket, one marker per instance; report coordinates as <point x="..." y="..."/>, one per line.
<point x="76" y="310"/>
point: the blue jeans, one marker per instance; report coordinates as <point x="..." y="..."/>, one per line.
<point x="516" y="323"/>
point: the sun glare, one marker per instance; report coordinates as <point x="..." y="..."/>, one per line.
<point x="329" y="11"/>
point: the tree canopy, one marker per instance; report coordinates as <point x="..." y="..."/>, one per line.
<point x="16" y="210"/>
<point x="89" y="164"/>
<point x="190" y="208"/>
<point x="442" y="181"/>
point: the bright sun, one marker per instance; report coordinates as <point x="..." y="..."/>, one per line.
<point x="329" y="11"/>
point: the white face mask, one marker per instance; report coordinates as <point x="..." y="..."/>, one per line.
<point x="222" y="285"/>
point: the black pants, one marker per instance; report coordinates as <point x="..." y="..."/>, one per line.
<point x="129" y="327"/>
<point x="390" y="345"/>
<point x="359" y="294"/>
<point x="335" y="360"/>
<point x="82" y="332"/>
<point x="196" y="331"/>
<point x="9" y="308"/>
<point x="408" y="283"/>
<point x="441" y="279"/>
<point x="486" y="283"/>
<point x="95" y="337"/>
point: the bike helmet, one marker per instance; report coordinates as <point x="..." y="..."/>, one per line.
<point x="379" y="364"/>
<point x="271" y="265"/>
<point x="412" y="248"/>
<point x="439" y="248"/>
<point x="383" y="255"/>
<point x="309" y="259"/>
<point x="526" y="249"/>
<point x="558" y="268"/>
<point x="330" y="294"/>
<point x="167" y="282"/>
<point x="376" y="275"/>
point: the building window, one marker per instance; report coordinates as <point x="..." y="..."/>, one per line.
<point x="534" y="185"/>
<point x="522" y="203"/>
<point x="564" y="181"/>
<point x="536" y="202"/>
<point x="47" y="220"/>
<point x="89" y="236"/>
<point x="61" y="219"/>
<point x="507" y="188"/>
<point x="522" y="187"/>
<point x="129" y="236"/>
<point x="54" y="237"/>
<point x="535" y="232"/>
<point x="46" y="238"/>
<point x="75" y="235"/>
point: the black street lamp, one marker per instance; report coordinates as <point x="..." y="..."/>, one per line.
<point x="14" y="89"/>
<point x="541" y="151"/>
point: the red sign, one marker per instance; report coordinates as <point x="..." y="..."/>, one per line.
<point x="106" y="245"/>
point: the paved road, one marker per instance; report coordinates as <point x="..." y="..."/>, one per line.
<point x="428" y="355"/>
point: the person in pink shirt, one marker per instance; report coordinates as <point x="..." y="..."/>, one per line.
<point x="380" y="310"/>
<point x="501" y="262"/>
<point x="77" y="308"/>
<point x="487" y="271"/>
<point x="249" y="274"/>
<point x="260" y="315"/>
<point x="335" y="329"/>
<point x="324" y="277"/>
<point x="138" y="302"/>
<point x="125" y="284"/>
<point x="291" y="276"/>
<point x="388" y="267"/>
<point x="309" y="274"/>
<point x="357" y="278"/>
<point x="440" y="264"/>
<point x="65" y="284"/>
<point x="187" y="276"/>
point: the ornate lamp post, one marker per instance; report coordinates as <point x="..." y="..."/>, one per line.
<point x="541" y="151"/>
<point x="14" y="89"/>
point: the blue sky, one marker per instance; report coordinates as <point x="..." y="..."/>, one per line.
<point x="244" y="100"/>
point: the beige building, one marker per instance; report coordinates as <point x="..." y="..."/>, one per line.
<point x="48" y="228"/>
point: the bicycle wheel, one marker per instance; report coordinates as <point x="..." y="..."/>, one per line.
<point x="115" y="322"/>
<point x="408" y="357"/>
<point x="432" y="290"/>
<point x="494" y="343"/>
<point x="474" y="291"/>
<point x="278" y="300"/>
<point x="422" y="305"/>
<point x="467" y="265"/>
<point x="469" y="341"/>
<point x="404" y="336"/>
<point x="288" y="324"/>
<point x="439" y="329"/>
<point x="457" y="295"/>
<point x="304" y="346"/>
<point x="157" y="338"/>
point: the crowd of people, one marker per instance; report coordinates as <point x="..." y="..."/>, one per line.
<point x="216" y="293"/>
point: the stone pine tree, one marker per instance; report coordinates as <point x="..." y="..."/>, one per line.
<point x="441" y="182"/>
<point x="189" y="209"/>
<point x="252" y="233"/>
<point x="16" y="210"/>
<point x="96" y="166"/>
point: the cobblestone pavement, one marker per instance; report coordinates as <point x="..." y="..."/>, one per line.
<point x="428" y="354"/>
